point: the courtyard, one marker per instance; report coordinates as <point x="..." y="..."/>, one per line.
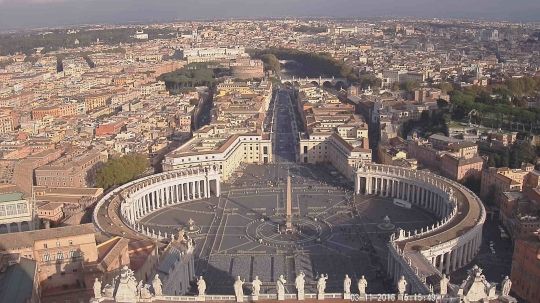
<point x="336" y="233"/>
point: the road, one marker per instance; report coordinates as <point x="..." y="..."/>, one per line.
<point x="284" y="129"/>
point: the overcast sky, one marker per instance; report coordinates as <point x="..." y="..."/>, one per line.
<point x="37" y="13"/>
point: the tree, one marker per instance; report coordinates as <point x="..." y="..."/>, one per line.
<point x="271" y="62"/>
<point x="491" y="161"/>
<point x="505" y="158"/>
<point x="446" y="87"/>
<point x="522" y="152"/>
<point x="442" y="104"/>
<point x="473" y="183"/>
<point x="118" y="171"/>
<point x="409" y="86"/>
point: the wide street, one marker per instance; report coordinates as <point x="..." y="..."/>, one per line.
<point x="284" y="130"/>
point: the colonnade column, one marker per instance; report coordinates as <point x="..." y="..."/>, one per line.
<point x="447" y="262"/>
<point x="454" y="258"/>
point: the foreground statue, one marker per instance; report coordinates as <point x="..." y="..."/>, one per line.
<point x="280" y="287"/>
<point x="127" y="290"/>
<point x="256" y="286"/>
<point x="321" y="286"/>
<point x="201" y="286"/>
<point x="145" y="292"/>
<point x="506" y="286"/>
<point x="347" y="288"/>
<point x="97" y="289"/>
<point x="402" y="285"/>
<point x="347" y="284"/>
<point x="362" y="285"/>
<point x="299" y="283"/>
<point x="443" y="284"/>
<point x="239" y="289"/>
<point x="156" y="284"/>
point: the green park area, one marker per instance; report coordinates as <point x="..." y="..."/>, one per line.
<point x="193" y="75"/>
<point x="120" y="170"/>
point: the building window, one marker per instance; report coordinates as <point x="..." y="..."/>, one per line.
<point x="57" y="243"/>
<point x="45" y="245"/>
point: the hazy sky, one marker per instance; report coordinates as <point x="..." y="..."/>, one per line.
<point x="35" y="13"/>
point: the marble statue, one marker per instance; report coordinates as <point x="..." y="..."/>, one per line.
<point x="444" y="285"/>
<point x="145" y="292"/>
<point x="476" y="288"/>
<point x="97" y="288"/>
<point x="127" y="286"/>
<point x="256" y="286"/>
<point x="299" y="282"/>
<point x="347" y="285"/>
<point x="108" y="290"/>
<point x="239" y="289"/>
<point x="156" y="284"/>
<point x="506" y="286"/>
<point x="181" y="234"/>
<point x="321" y="284"/>
<point x="201" y="286"/>
<point x="402" y="285"/>
<point x="280" y="287"/>
<point x="362" y="285"/>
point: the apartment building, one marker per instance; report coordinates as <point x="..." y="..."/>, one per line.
<point x="498" y="180"/>
<point x="526" y="267"/>
<point x="72" y="170"/>
<point x="334" y="133"/>
<point x="61" y="253"/>
<point x="455" y="159"/>
<point x="210" y="148"/>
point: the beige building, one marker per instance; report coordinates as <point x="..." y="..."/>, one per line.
<point x="235" y="134"/>
<point x="210" y="149"/>
<point x="455" y="159"/>
<point x="496" y="181"/>
<point x="334" y="133"/>
<point x="71" y="170"/>
<point x="7" y="121"/>
<point x="61" y="253"/>
<point x="51" y="211"/>
<point x="209" y="54"/>
<point x="394" y="152"/>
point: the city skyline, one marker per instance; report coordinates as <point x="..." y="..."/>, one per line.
<point x="19" y="14"/>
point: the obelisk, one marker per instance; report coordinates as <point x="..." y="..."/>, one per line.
<point x="288" y="214"/>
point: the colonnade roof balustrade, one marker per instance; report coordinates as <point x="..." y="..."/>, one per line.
<point x="470" y="211"/>
<point x="107" y="217"/>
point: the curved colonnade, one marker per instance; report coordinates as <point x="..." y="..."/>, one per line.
<point x="443" y="247"/>
<point x="139" y="198"/>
